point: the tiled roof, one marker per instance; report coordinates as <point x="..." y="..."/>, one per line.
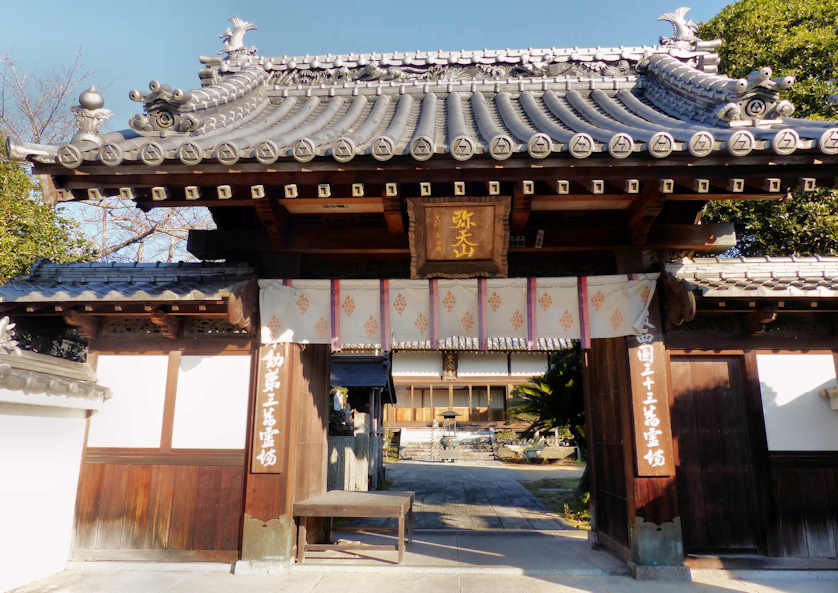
<point x="88" y="282"/>
<point x="784" y="277"/>
<point x="655" y="100"/>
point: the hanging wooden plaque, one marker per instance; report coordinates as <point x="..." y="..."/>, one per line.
<point x="650" y="402"/>
<point x="267" y="454"/>
<point x="464" y="237"/>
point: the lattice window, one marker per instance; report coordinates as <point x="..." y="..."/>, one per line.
<point x="212" y="327"/>
<point x="137" y="327"/>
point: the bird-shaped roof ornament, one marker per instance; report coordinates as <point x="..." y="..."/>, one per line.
<point x="234" y="38"/>
<point x="684" y="29"/>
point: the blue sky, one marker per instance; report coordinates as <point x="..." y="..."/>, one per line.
<point x="126" y="44"/>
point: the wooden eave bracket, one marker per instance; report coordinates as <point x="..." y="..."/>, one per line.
<point x="521" y="209"/>
<point x="643" y="212"/>
<point x="168" y="324"/>
<point x="393" y="216"/>
<point x="757" y="319"/>
<point x="241" y="305"/>
<point x="87" y="325"/>
<point x="678" y="301"/>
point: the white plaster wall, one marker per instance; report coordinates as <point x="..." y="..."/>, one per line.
<point x="491" y="364"/>
<point x="211" y="403"/>
<point x="797" y="418"/>
<point x="40" y="454"/>
<point x="133" y="417"/>
<point x="417" y="364"/>
<point x="526" y="364"/>
<point x="426" y="435"/>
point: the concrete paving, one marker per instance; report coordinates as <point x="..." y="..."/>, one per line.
<point x="474" y="495"/>
<point x="556" y="553"/>
<point x="479" y="531"/>
<point x="103" y="579"/>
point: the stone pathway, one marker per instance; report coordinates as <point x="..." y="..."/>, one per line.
<point x="473" y="496"/>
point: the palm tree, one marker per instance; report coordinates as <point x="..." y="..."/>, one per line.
<point x="556" y="400"/>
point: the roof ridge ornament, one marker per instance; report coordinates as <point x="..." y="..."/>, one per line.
<point x="90" y="115"/>
<point x="8" y="345"/>
<point x="234" y="39"/>
<point x="684" y="29"/>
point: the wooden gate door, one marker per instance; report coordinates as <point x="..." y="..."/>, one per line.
<point x="715" y="474"/>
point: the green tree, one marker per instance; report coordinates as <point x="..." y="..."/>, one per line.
<point x="555" y="399"/>
<point x="795" y="38"/>
<point x="29" y="229"/>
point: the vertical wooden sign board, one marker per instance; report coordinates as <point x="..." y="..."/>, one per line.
<point x="650" y="403"/>
<point x="267" y="453"/>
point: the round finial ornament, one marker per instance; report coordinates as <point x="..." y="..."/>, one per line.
<point x="91" y="99"/>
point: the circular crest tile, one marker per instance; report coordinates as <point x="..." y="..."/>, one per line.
<point x="111" y="154"/>
<point x="621" y="145"/>
<point x="785" y="141"/>
<point x="740" y="143"/>
<point x="462" y="148"/>
<point x="266" y="152"/>
<point x="701" y="144"/>
<point x="303" y="150"/>
<point x="151" y="154"/>
<point x="422" y="148"/>
<point x="539" y="146"/>
<point x="69" y="156"/>
<point x="828" y="142"/>
<point x="382" y="148"/>
<point x="227" y="153"/>
<point x="581" y="145"/>
<point x="660" y="145"/>
<point x="343" y="150"/>
<point x="189" y="153"/>
<point x="501" y="147"/>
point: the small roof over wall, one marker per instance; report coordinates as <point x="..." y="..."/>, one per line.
<point x="161" y="295"/>
<point x="361" y="371"/>
<point x="759" y="277"/>
<point x="36" y="379"/>
<point x="87" y="282"/>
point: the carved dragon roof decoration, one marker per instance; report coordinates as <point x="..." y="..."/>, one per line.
<point x="622" y="101"/>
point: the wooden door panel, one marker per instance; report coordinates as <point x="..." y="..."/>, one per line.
<point x="715" y="475"/>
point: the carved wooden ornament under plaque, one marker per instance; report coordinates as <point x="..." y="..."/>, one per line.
<point x="459" y="237"/>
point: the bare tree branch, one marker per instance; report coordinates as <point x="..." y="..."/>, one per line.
<point x="35" y="107"/>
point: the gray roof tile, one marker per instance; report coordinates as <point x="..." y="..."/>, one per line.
<point x="664" y="99"/>
<point x="779" y="277"/>
<point x="89" y="282"/>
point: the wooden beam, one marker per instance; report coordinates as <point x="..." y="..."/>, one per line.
<point x="554" y="203"/>
<point x="711" y="238"/>
<point x="372" y="205"/>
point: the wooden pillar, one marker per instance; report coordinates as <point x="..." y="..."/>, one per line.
<point x="450" y="396"/>
<point x="470" y="404"/>
<point x="654" y="522"/>
<point x="431" y="396"/>
<point x="412" y="405"/>
<point x="289" y="465"/>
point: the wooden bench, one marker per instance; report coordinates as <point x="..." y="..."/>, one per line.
<point x="340" y="503"/>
